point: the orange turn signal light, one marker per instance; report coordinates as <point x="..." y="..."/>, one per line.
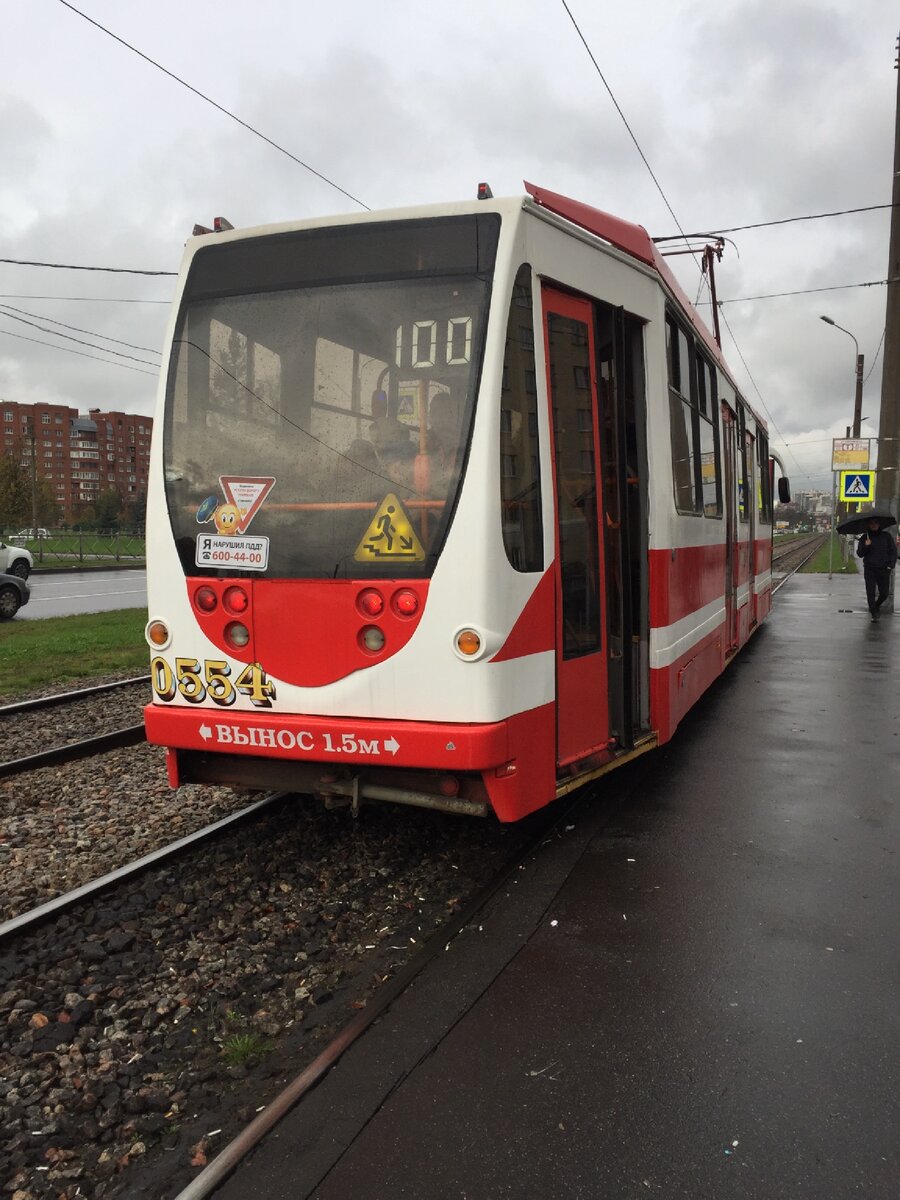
<point x="157" y="633"/>
<point x="468" y="642"/>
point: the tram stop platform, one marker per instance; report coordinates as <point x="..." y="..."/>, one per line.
<point x="691" y="992"/>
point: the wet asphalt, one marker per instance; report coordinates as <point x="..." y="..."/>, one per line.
<point x="65" y="593"/>
<point x="690" y="992"/>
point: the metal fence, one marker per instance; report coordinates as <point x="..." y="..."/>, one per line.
<point x="122" y="548"/>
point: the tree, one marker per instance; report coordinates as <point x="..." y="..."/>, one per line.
<point x="46" y="504"/>
<point x="107" y="507"/>
<point x="15" y="491"/>
<point x="137" y="512"/>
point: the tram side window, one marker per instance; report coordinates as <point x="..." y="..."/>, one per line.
<point x="520" y="480"/>
<point x="708" y="438"/>
<point x="681" y="418"/>
<point x="765" y="479"/>
<point x="743" y="499"/>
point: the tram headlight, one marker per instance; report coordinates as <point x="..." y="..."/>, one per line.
<point x="237" y="635"/>
<point x="372" y="639"/>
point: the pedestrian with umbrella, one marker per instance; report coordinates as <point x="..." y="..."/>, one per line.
<point x="878" y="550"/>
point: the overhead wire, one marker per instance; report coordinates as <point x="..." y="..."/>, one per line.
<point x="841" y="212"/>
<point x="79" y="341"/>
<point x="877" y="352"/>
<point x="837" y="287"/>
<point x="631" y="133"/>
<point x="76" y="329"/>
<point x="81" y="299"/>
<point x="65" y="349"/>
<point x="29" y="262"/>
<point x="221" y="108"/>
<point x="759" y="393"/>
<point x="659" y="187"/>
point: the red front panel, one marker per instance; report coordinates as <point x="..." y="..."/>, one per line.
<point x="308" y="632"/>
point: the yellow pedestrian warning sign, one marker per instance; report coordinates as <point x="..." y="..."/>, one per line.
<point x="390" y="537"/>
<point x="857" y="485"/>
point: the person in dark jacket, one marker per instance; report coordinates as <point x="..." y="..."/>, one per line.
<point x="878" y="550"/>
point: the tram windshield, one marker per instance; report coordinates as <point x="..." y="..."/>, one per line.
<point x="320" y="397"/>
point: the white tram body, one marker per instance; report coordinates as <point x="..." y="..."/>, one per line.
<point x="454" y="506"/>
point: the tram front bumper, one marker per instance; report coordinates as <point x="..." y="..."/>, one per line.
<point x="331" y="740"/>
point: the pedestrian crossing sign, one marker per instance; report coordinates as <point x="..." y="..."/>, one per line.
<point x="857" y="485"/>
<point x="390" y="536"/>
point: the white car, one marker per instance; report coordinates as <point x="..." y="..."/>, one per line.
<point x="15" y="560"/>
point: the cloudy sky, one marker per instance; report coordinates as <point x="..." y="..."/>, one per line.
<point x="747" y="110"/>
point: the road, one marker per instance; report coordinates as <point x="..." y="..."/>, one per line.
<point x="64" y="593"/>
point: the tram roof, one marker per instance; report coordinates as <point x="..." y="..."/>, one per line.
<point x="625" y="236"/>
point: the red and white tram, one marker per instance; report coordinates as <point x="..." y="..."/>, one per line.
<point x="454" y="506"/>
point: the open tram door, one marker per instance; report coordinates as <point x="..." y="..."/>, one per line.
<point x="582" y="716"/>
<point x="595" y="383"/>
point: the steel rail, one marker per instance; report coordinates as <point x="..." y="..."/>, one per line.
<point x="802" y="563"/>
<point x="130" y="735"/>
<point x="22" y="706"/>
<point x="794" y="547"/>
<point x="35" y="916"/>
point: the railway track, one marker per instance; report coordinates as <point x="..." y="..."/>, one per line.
<point x="30" y="920"/>
<point x="24" y="722"/>
<point x="790" y="550"/>
<point x="155" y="991"/>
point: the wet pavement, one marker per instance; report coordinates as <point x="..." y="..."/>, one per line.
<point x="64" y="593"/>
<point x="692" y="992"/>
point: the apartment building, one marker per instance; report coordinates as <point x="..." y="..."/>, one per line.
<point x="80" y="455"/>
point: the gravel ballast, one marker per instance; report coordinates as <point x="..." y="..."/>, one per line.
<point x="140" y="1031"/>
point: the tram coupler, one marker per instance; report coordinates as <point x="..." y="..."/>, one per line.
<point x="343" y="793"/>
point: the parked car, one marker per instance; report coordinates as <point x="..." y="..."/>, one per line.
<point x="15" y="560"/>
<point x="14" y="592"/>
<point x="38" y="533"/>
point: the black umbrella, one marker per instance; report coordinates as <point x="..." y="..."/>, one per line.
<point x="860" y="522"/>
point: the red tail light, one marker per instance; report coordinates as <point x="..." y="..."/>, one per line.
<point x="406" y="603"/>
<point x="371" y="602"/>
<point x="236" y="600"/>
<point x="206" y="599"/>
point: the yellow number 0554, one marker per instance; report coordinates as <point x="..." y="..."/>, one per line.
<point x="211" y="680"/>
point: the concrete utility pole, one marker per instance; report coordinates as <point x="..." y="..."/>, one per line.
<point x="887" y="483"/>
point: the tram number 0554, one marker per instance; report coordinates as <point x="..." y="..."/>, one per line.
<point x="211" y="679"/>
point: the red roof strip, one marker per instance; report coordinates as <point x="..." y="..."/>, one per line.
<point x="633" y="239"/>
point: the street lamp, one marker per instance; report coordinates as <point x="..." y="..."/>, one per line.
<point x="857" y="407"/>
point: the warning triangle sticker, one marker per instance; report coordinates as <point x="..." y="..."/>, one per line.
<point x="246" y="493"/>
<point x="857" y="487"/>
<point x="390" y="537"/>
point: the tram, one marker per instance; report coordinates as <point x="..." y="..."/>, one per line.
<point x="453" y="506"/>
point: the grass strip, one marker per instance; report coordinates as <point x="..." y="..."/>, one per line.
<point x="818" y="564"/>
<point x="40" y="654"/>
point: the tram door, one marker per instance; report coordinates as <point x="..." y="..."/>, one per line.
<point x="581" y="669"/>
<point x="750" y="504"/>
<point x="729" y="446"/>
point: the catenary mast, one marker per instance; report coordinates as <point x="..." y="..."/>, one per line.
<point x="888" y="478"/>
